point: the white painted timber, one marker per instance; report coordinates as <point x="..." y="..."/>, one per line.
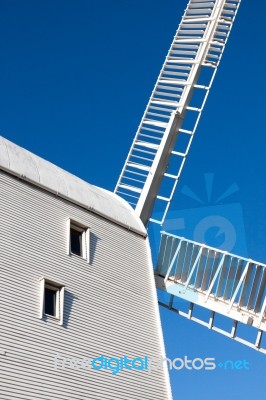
<point x="110" y="307"/>
<point x="28" y="166"/>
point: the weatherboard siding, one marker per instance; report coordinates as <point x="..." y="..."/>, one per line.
<point x="110" y="305"/>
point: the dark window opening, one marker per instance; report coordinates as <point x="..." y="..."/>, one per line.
<point x="50" y="302"/>
<point x="76" y="241"/>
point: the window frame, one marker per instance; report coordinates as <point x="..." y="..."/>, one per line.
<point x="85" y="239"/>
<point x="57" y="297"/>
<point x="59" y="305"/>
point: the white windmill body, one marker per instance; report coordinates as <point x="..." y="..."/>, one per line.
<point x="77" y="289"/>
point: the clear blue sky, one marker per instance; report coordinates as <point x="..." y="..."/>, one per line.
<point x="75" y="79"/>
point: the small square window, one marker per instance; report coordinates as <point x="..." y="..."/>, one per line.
<point x="78" y="240"/>
<point x="51" y="300"/>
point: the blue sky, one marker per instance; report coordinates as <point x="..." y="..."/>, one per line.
<point x="75" y="79"/>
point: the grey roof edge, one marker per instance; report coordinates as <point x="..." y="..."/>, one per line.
<point x="39" y="172"/>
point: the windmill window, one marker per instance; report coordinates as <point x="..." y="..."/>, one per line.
<point x="51" y="300"/>
<point x="50" y="295"/>
<point x="78" y="242"/>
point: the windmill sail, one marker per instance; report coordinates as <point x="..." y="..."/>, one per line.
<point x="170" y="120"/>
<point x="222" y="283"/>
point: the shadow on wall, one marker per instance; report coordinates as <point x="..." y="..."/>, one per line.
<point x="93" y="245"/>
<point x="69" y="300"/>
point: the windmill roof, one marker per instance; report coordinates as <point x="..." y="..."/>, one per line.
<point x="31" y="168"/>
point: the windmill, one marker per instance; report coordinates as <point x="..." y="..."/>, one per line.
<point x="75" y="258"/>
<point x="218" y="281"/>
